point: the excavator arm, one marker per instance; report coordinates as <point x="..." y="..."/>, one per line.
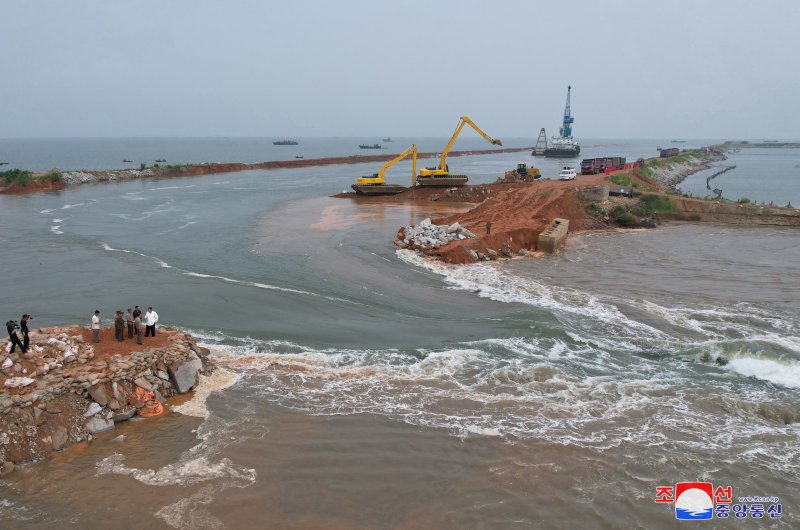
<point x="442" y="169"/>
<point x="378" y="178"/>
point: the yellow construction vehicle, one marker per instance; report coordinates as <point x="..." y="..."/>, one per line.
<point x="375" y="183"/>
<point x="440" y="176"/>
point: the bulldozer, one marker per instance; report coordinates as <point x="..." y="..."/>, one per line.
<point x="523" y="173"/>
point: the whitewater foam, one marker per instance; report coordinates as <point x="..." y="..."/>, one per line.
<point x="785" y="373"/>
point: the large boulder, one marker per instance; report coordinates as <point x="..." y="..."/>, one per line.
<point x="97" y="425"/>
<point x="60" y="438"/>
<point x="123" y="415"/>
<point x="186" y="375"/>
<point x="99" y="393"/>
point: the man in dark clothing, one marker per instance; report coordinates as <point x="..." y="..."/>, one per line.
<point x="11" y="326"/>
<point x="129" y="321"/>
<point x="23" y="326"/>
<point x="488" y="227"/>
<point x="119" y="326"/>
<point x="136" y="312"/>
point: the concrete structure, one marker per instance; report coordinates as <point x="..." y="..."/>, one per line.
<point x="593" y="193"/>
<point x="553" y="237"/>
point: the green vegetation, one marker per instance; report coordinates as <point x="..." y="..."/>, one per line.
<point x="620" y="180"/>
<point x="743" y="200"/>
<point x="16" y="176"/>
<point x="646" y="212"/>
<point x="650" y="204"/>
<point x="142" y="166"/>
<point x="54" y="176"/>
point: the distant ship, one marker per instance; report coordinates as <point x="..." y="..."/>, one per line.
<point x="387" y="139"/>
<point x="373" y="146"/>
<point x="285" y="141"/>
<point x="161" y="159"/>
<point x="127" y="161"/>
<point x="563" y="145"/>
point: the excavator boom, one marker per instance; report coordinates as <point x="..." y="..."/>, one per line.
<point x="376" y="184"/>
<point x="442" y="169"/>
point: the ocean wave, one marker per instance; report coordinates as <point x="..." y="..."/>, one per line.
<point x="780" y="372"/>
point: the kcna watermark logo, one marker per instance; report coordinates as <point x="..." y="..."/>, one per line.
<point x="695" y="501"/>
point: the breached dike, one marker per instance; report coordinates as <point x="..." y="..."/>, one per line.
<point x="62" y="392"/>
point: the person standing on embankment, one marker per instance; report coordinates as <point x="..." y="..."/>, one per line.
<point x="119" y="326"/>
<point x="96" y="326"/>
<point x="23" y="326"/>
<point x="151" y="317"/>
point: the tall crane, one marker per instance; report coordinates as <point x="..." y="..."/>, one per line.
<point x="375" y="183"/>
<point x="566" y="126"/>
<point x="440" y="175"/>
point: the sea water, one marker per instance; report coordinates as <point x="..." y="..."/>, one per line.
<point x="366" y="387"/>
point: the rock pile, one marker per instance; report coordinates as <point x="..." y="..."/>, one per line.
<point x="60" y="393"/>
<point x="84" y="177"/>
<point x="427" y="236"/>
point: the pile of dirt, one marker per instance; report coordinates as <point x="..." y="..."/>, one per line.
<point x="518" y="213"/>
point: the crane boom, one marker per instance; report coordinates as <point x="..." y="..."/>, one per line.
<point x="442" y="169"/>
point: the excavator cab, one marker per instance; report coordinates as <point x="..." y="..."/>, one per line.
<point x="522" y="169"/>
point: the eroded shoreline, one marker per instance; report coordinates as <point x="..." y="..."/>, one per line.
<point x="66" y="389"/>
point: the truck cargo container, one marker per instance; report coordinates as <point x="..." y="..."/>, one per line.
<point x="672" y="151"/>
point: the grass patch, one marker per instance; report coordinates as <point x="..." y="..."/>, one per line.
<point x="54" y="177"/>
<point x="16" y="176"/>
<point x="620" y="180"/>
<point x="655" y="204"/>
<point x="743" y="200"/>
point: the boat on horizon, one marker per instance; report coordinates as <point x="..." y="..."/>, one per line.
<point x="373" y="146"/>
<point x="285" y="141"/>
<point x="126" y="161"/>
<point x="387" y="139"/>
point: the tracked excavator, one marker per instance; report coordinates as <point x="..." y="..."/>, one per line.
<point x="440" y="176"/>
<point x="376" y="185"/>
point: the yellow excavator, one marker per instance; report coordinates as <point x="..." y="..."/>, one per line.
<point x="376" y="185"/>
<point x="440" y="176"/>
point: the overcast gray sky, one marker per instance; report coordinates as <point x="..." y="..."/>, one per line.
<point x="688" y="69"/>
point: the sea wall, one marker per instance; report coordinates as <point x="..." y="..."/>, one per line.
<point x="669" y="172"/>
<point x="62" y="392"/>
<point x="71" y="178"/>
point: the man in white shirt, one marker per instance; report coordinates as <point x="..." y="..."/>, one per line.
<point x="96" y="326"/>
<point x="150" y="319"/>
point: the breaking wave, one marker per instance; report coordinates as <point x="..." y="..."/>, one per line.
<point x="565" y="391"/>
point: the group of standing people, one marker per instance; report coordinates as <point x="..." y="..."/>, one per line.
<point x="133" y="320"/>
<point x="12" y="327"/>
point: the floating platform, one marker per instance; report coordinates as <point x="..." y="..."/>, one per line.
<point x="378" y="189"/>
<point x="443" y="181"/>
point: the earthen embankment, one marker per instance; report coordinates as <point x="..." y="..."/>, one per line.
<point x="65" y="389"/>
